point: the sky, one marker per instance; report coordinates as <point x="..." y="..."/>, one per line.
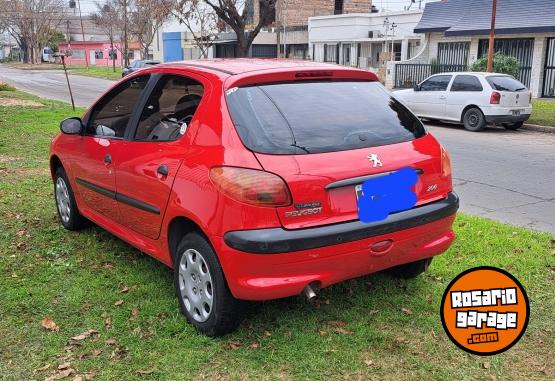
<point x="88" y="6"/>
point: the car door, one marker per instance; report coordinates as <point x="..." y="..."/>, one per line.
<point x="156" y="148"/>
<point x="464" y="90"/>
<point x="429" y="100"/>
<point x="100" y="146"/>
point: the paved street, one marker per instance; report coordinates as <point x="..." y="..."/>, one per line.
<point x="52" y="84"/>
<point x="504" y="175"/>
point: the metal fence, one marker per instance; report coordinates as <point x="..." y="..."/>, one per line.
<point x="408" y="75"/>
<point x="520" y="48"/>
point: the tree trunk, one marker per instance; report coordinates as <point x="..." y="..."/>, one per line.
<point x="242" y="46"/>
<point x="113" y="56"/>
<point x="25" y="51"/>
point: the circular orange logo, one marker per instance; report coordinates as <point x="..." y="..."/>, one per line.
<point x="485" y="310"/>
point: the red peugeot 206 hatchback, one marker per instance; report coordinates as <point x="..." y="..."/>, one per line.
<point x="244" y="177"/>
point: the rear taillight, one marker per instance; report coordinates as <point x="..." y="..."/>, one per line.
<point x="445" y="164"/>
<point x="494" y="98"/>
<point x="251" y="186"/>
<point x="530" y="98"/>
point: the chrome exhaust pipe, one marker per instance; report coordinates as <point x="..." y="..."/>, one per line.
<point x="310" y="293"/>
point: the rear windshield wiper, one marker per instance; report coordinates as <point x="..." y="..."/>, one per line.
<point x="300" y="147"/>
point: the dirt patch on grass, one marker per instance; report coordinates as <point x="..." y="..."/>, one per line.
<point x="7" y="159"/>
<point x="14" y="102"/>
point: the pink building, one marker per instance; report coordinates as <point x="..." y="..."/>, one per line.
<point x="97" y="52"/>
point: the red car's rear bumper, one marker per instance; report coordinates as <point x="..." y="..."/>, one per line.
<point x="274" y="263"/>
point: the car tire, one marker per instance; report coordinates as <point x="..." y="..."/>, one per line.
<point x="202" y="290"/>
<point x="513" y="126"/>
<point x="410" y="270"/>
<point x="66" y="206"/>
<point x="474" y="120"/>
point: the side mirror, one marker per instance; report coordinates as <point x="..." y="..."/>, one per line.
<point x="416" y="87"/>
<point x="71" y="126"/>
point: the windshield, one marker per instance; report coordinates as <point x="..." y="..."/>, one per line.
<point x="505" y="83"/>
<point x="314" y="117"/>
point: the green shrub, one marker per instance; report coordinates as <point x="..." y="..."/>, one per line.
<point x="5" y="87"/>
<point x="501" y="64"/>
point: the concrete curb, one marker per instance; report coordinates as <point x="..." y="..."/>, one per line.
<point x="535" y="127"/>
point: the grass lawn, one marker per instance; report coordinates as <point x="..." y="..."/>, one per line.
<point x="543" y="113"/>
<point x="97" y="71"/>
<point x="105" y="72"/>
<point x="374" y="327"/>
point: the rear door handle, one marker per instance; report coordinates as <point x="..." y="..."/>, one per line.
<point x="442" y="97"/>
<point x="163" y="170"/>
<point x="108" y="159"/>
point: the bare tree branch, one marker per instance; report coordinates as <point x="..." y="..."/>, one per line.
<point x="30" y="22"/>
<point x="228" y="12"/>
<point x="200" y="20"/>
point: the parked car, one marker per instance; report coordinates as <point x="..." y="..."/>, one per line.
<point x="136" y="65"/>
<point x="47" y="55"/>
<point x="473" y="99"/>
<point x="242" y="176"/>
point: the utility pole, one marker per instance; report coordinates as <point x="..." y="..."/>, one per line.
<point x="285" y="29"/>
<point x="83" y="34"/>
<point x="393" y="26"/>
<point x="278" y="28"/>
<point x="492" y="37"/>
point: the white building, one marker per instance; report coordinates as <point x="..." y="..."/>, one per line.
<point x="361" y="39"/>
<point x="456" y="35"/>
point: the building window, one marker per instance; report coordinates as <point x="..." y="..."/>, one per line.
<point x="453" y="53"/>
<point x="98" y="54"/>
<point x="78" y="53"/>
<point x="330" y="53"/>
<point x="113" y="54"/>
<point x="338" y="7"/>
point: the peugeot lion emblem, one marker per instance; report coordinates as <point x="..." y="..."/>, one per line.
<point x="374" y="160"/>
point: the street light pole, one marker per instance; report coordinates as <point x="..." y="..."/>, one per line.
<point x="83" y="34"/>
<point x="491" y="37"/>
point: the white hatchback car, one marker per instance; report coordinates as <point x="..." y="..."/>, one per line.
<point x="471" y="98"/>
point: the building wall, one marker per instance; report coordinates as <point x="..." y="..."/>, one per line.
<point x="430" y="51"/>
<point x="356" y="26"/>
<point x="297" y="12"/>
<point x="357" y="6"/>
<point x="89" y="49"/>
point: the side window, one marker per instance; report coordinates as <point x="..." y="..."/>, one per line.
<point x="436" y="83"/>
<point x="169" y="109"/>
<point x="110" y="117"/>
<point x="466" y="83"/>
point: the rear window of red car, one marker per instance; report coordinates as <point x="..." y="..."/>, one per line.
<point x="315" y="117"/>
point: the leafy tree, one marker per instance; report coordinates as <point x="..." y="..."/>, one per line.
<point x="501" y="64"/>
<point x="53" y="38"/>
